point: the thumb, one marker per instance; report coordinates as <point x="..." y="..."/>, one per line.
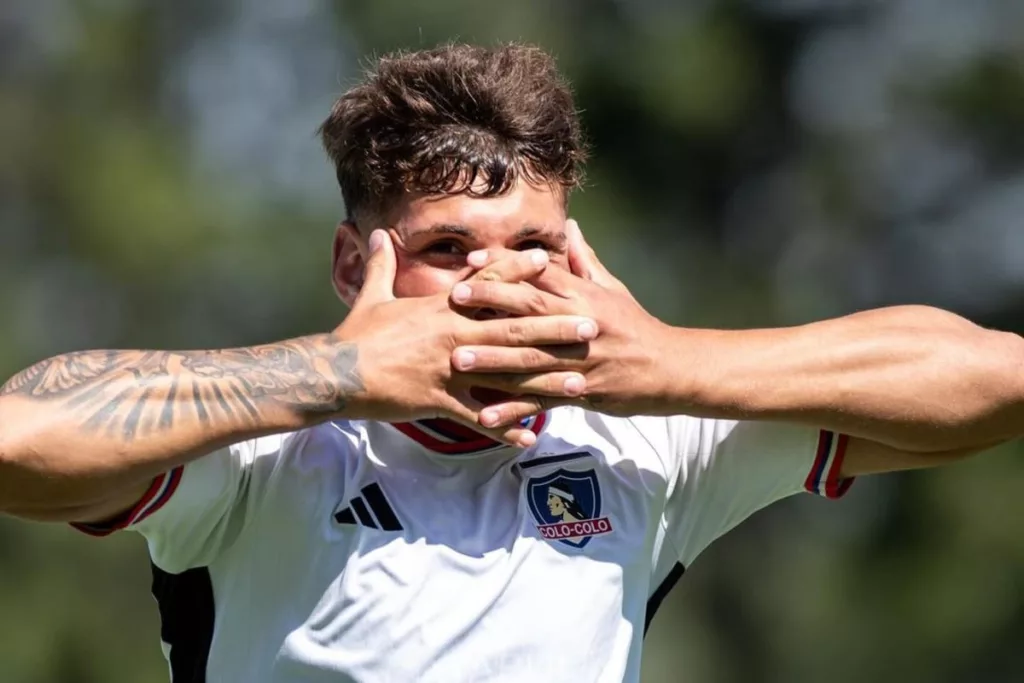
<point x="582" y="259"/>
<point x="379" y="280"/>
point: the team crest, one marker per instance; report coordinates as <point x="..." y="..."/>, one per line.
<point x="567" y="507"/>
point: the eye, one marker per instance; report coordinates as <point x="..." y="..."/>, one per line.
<point x="445" y="248"/>
<point x="534" y="244"/>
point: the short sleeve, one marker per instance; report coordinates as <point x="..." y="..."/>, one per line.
<point x="725" y="470"/>
<point x="191" y="513"/>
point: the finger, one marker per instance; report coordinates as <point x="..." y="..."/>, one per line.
<point x="561" y="283"/>
<point x="465" y="410"/>
<point x="379" y="282"/>
<point x="583" y="259"/>
<point x="515" y="410"/>
<point x="579" y="264"/>
<point x="557" y="384"/>
<point x="521" y="358"/>
<point x="531" y="331"/>
<point x="518" y="267"/>
<point x="515" y="298"/>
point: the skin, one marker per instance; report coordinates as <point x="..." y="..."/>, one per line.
<point x="83" y="434"/>
<point x="914" y="386"/>
<point x="433" y="237"/>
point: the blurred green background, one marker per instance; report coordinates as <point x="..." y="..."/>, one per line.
<point x="757" y="162"/>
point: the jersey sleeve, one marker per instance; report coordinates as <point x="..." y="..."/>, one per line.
<point x="191" y="513"/>
<point x="722" y="471"/>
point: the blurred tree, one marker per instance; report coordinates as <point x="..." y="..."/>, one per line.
<point x="757" y="162"/>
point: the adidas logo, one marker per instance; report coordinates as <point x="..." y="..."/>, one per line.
<point x="371" y="509"/>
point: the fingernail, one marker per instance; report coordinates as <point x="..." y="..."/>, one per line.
<point x="477" y="258"/>
<point x="574" y="385"/>
<point x="464" y="359"/>
<point x="376" y="239"/>
<point x="586" y="330"/>
<point x="527" y="439"/>
<point x="539" y="257"/>
<point x="489" y="418"/>
<point x="461" y="292"/>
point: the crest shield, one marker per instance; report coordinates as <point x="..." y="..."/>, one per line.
<point x="566" y="505"/>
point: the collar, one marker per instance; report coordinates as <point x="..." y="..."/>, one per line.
<point x="451" y="438"/>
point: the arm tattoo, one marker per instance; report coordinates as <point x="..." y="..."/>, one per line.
<point x="128" y="393"/>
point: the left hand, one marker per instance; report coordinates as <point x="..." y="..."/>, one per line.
<point x="622" y="369"/>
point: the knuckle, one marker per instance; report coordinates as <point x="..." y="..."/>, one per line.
<point x="511" y="416"/>
<point x="517" y="269"/>
<point x="517" y="331"/>
<point x="449" y="340"/>
<point x="537" y="302"/>
<point x="532" y="358"/>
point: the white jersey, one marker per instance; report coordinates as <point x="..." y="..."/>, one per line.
<point x="363" y="551"/>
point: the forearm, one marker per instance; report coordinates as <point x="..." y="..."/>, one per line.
<point x="75" y="427"/>
<point x="914" y="378"/>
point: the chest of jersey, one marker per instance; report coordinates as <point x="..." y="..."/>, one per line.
<point x="539" y="563"/>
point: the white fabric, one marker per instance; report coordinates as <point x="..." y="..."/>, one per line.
<point x="484" y="582"/>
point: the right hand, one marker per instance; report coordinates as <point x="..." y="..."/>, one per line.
<point x="405" y="346"/>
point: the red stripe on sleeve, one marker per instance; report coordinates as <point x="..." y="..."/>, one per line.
<point x="172" y="486"/>
<point x="835" y="485"/>
<point x="811" y="483"/>
<point x="124" y="519"/>
<point x="139" y="510"/>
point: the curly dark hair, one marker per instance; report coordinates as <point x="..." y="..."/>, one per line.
<point x="454" y="119"/>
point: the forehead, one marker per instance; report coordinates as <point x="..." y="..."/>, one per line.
<point x="525" y="206"/>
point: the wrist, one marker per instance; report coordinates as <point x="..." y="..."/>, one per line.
<point x="345" y="389"/>
<point x="670" y="387"/>
<point x="683" y="371"/>
<point x="289" y="384"/>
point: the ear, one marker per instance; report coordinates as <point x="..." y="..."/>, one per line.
<point x="348" y="265"/>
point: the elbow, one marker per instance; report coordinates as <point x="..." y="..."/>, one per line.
<point x="1011" y="366"/>
<point x="993" y="388"/>
<point x="40" y="486"/>
<point x="972" y="393"/>
<point x="12" y="476"/>
<point x="8" y="464"/>
<point x="24" y="484"/>
<point x="24" y="493"/>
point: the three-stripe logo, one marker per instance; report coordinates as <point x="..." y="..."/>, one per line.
<point x="372" y="509"/>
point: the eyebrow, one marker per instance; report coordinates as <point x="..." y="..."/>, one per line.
<point x="559" y="238"/>
<point x="446" y="229"/>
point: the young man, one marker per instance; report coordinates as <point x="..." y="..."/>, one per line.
<point x="498" y="441"/>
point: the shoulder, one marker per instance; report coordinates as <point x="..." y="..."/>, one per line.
<point x="662" y="438"/>
<point x="312" y="447"/>
<point x="658" y="431"/>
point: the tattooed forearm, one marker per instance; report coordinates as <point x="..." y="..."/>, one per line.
<point x="127" y="393"/>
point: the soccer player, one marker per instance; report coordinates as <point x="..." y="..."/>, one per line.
<point x="497" y="430"/>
